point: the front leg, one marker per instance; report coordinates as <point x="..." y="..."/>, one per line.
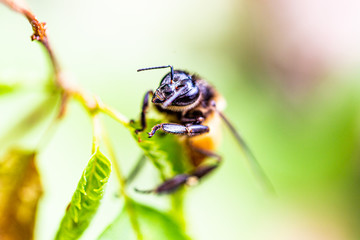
<point x="143" y="111"/>
<point x="174" y="128"/>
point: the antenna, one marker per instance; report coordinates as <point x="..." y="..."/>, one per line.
<point x="151" y="68"/>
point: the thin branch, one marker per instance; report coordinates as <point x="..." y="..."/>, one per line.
<point x="110" y="149"/>
<point x="111" y="112"/>
<point x="91" y="102"/>
<point x="39" y="34"/>
<point x="97" y="132"/>
<point x="128" y="202"/>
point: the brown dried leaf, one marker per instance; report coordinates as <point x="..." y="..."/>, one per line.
<point x="20" y="190"/>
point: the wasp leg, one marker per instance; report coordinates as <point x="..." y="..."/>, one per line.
<point x="174" y="128"/>
<point x="201" y="171"/>
<point x="143" y="111"/>
<point x="168" y="186"/>
<point x="190" y="179"/>
<point x="136" y="169"/>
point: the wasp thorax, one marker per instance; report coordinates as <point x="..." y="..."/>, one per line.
<point x="177" y="92"/>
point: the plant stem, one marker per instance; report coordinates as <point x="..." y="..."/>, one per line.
<point x="177" y="208"/>
<point x="90" y="102"/>
<point x="39" y="33"/>
<point x="128" y="202"/>
<point x="97" y="130"/>
<point x="111" y="112"/>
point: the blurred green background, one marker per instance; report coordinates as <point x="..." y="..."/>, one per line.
<point x="288" y="69"/>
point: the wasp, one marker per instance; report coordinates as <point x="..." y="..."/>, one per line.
<point x="193" y="109"/>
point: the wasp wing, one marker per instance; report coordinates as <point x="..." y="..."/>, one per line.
<point x="254" y="164"/>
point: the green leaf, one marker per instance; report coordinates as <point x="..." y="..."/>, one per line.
<point x="154" y="225"/>
<point x="169" y="154"/>
<point x="86" y="198"/>
<point x="166" y="151"/>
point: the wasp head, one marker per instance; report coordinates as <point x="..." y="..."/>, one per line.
<point x="176" y="90"/>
